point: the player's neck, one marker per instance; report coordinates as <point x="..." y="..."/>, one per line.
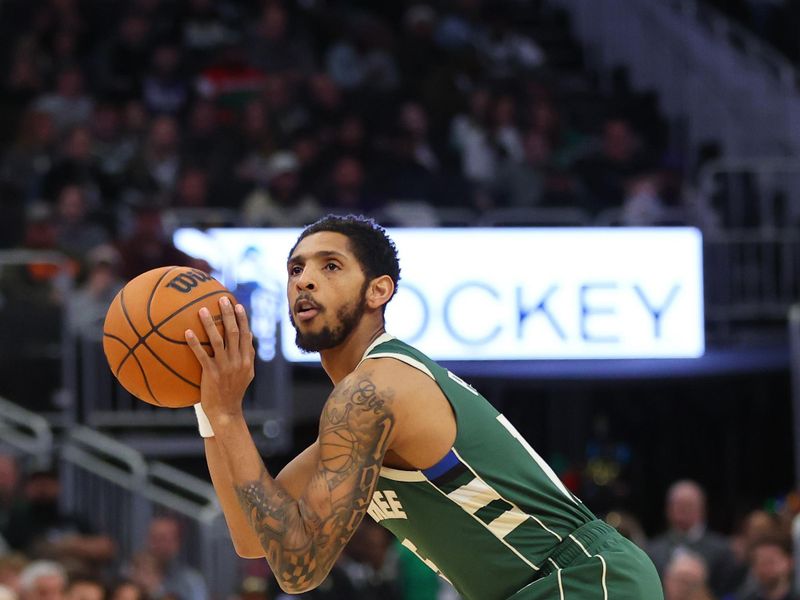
<point x="340" y="361"/>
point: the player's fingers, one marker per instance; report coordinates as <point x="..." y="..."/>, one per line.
<point x="196" y="347"/>
<point x="211" y="331"/>
<point x="229" y="321"/>
<point x="245" y="335"/>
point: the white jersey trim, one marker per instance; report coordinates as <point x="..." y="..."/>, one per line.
<point x="401" y="475"/>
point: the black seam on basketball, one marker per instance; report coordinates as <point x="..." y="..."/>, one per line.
<point x="146" y="383"/>
<point x="117" y="338"/>
<point x="142" y="338"/>
<point x="170" y="369"/>
<point x="157" y="326"/>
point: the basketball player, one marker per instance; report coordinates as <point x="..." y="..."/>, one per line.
<point x="400" y="438"/>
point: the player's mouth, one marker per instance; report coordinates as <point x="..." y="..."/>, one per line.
<point x="305" y="309"/>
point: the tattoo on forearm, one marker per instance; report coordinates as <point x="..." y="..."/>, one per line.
<point x="302" y="538"/>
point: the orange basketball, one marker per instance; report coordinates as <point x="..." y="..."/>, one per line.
<point x="143" y="334"/>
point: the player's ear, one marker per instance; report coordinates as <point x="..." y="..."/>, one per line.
<point x="380" y="291"/>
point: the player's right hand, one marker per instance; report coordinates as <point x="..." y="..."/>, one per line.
<point x="231" y="368"/>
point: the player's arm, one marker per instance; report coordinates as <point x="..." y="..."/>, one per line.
<point x="301" y="537"/>
<point x="294" y="477"/>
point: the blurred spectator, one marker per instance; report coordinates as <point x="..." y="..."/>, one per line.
<point x="771" y="568"/>
<point x="686" y="516"/>
<point x="362" y="60"/>
<point x="346" y="189"/>
<point x="686" y="578"/>
<point x="40" y="528"/>
<point x="756" y="525"/>
<point x="371" y="563"/>
<point x="643" y="206"/>
<point x="204" y="29"/>
<point x="281" y="203"/>
<point x="605" y="172"/>
<point x="27" y="162"/>
<point x="85" y="587"/>
<point x="469" y="136"/>
<point x="628" y="525"/>
<point x="157" y="166"/>
<point x="9" y="488"/>
<point x="68" y="104"/>
<point x="87" y="306"/>
<point x="43" y="580"/>
<point x="7" y="594"/>
<point x="77" y="234"/>
<point x="276" y="49"/>
<point x="125" y="58"/>
<point x="418" y="54"/>
<point x="325" y="103"/>
<point x="414" y="122"/>
<point x="11" y="567"/>
<point x="462" y="27"/>
<point x="210" y="147"/>
<point x="521" y="183"/>
<point x="165" y="89"/>
<point x="113" y="147"/>
<point x="192" y="189"/>
<point x="164" y="545"/>
<point x="148" y="246"/>
<point x="22" y="84"/>
<point x="505" y="51"/>
<point x="78" y="166"/>
<point x="146" y="576"/>
<point x="229" y="79"/>
<point x="125" y="589"/>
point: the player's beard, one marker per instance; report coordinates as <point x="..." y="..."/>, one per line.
<point x="328" y="337"/>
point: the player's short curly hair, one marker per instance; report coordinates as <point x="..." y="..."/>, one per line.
<point x="373" y="248"/>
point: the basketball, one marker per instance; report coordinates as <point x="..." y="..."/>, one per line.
<point x="143" y="333"/>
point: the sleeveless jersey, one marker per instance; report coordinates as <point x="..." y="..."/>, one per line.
<point x="487" y="515"/>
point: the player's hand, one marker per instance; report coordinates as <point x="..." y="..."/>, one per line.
<point x="230" y="370"/>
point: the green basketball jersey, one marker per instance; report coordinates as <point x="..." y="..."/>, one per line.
<point x="487" y="515"/>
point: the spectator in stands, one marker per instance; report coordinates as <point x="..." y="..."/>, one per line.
<point x="192" y="189"/>
<point x="68" y="104"/>
<point x="124" y="59"/>
<point x="643" y="206"/>
<point x="505" y="52"/>
<point x="77" y="233"/>
<point x="148" y="246"/>
<point x="165" y="88"/>
<point x="620" y="157"/>
<point x="87" y="306"/>
<point x="125" y="589"/>
<point x="164" y="542"/>
<point x="521" y="184"/>
<point x="371" y="563"/>
<point x="628" y="525"/>
<point x="686" y="516"/>
<point x="470" y="138"/>
<point x="346" y="190"/>
<point x="361" y="60"/>
<point x="113" y="149"/>
<point x="23" y="83"/>
<point x="157" y="166"/>
<point x="417" y="53"/>
<point x="276" y="49"/>
<point x="461" y="27"/>
<point x="41" y="529"/>
<point x="146" y="576"/>
<point x="43" y="580"/>
<point x="11" y="567"/>
<point x="27" y="162"/>
<point x="281" y="202"/>
<point x="9" y="488"/>
<point x="78" y="166"/>
<point x="209" y="147"/>
<point x="771" y="570"/>
<point x="414" y="123"/>
<point x="85" y="587"/>
<point x="686" y="578"/>
<point x="204" y="30"/>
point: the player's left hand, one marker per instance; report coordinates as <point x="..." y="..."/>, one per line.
<point x="230" y="370"/>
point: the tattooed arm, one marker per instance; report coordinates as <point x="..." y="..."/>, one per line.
<point x="300" y="536"/>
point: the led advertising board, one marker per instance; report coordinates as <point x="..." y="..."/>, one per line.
<point x="499" y="294"/>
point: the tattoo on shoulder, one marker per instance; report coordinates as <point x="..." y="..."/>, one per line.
<point x="302" y="538"/>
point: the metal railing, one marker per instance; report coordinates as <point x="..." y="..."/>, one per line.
<point x="26" y="433"/>
<point x="120" y="492"/>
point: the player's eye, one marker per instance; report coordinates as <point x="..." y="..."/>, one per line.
<point x="331" y="267"/>
<point x="295" y="270"/>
